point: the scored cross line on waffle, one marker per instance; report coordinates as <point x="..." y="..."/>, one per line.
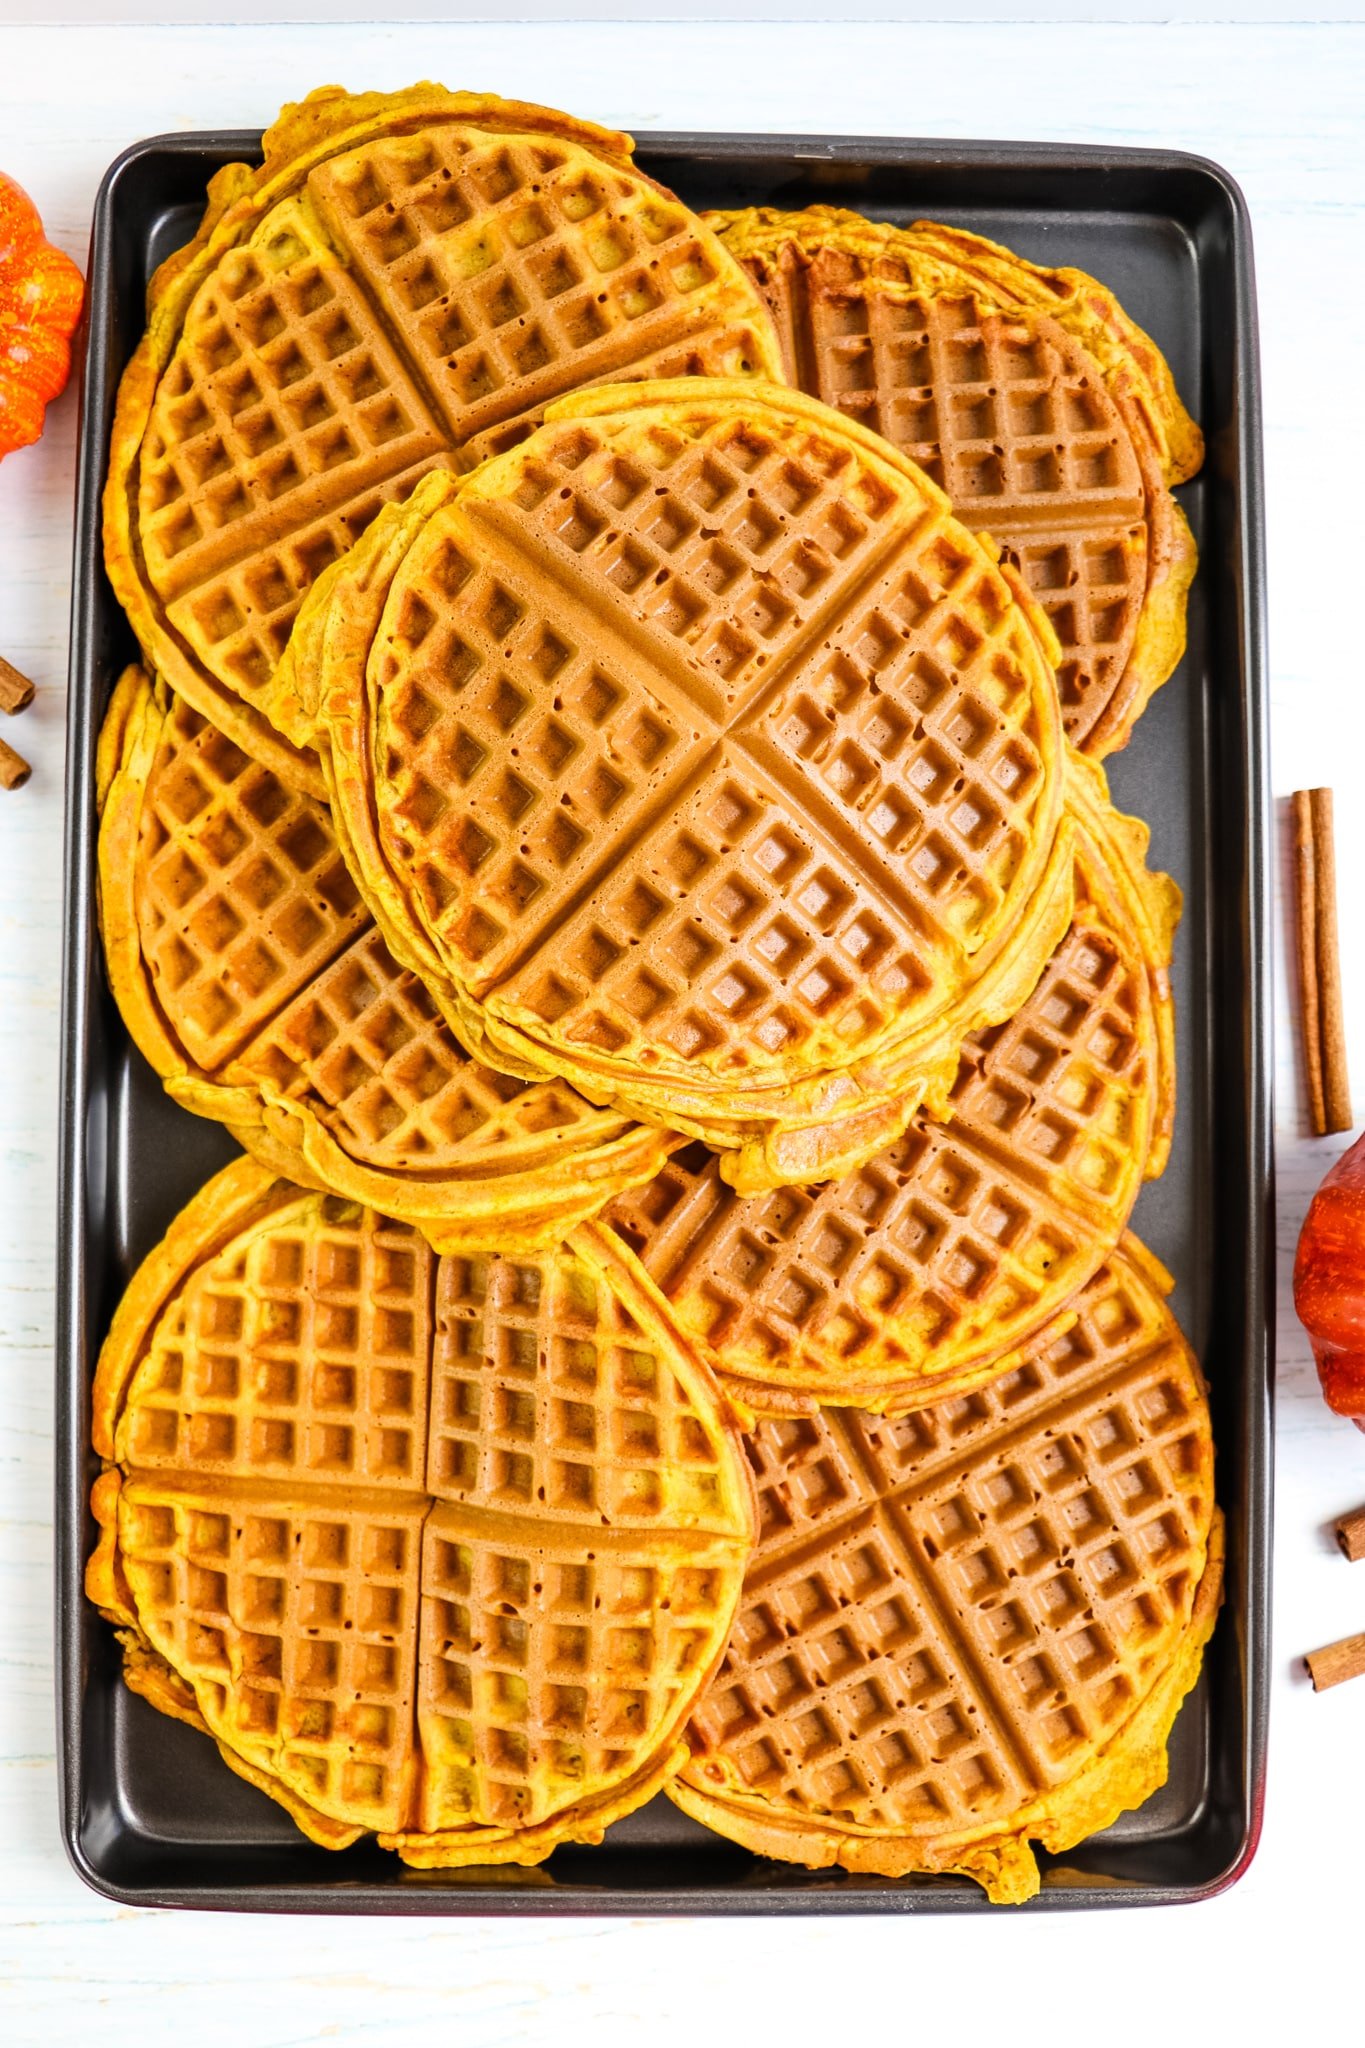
<point x="535" y="239"/>
<point x="975" y="1231"/>
<point x="377" y="1505"/>
<point x="1013" y="1554"/>
<point x="940" y="795"/>
<point x="408" y="299"/>
<point x="346" y="1351"/>
<point x="1028" y="396"/>
<point x="253" y="979"/>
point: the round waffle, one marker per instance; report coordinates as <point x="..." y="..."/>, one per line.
<point x="921" y="1275"/>
<point x="693" y="751"/>
<point x="439" y="1549"/>
<point x="970" y="1630"/>
<point x="406" y="281"/>
<point x="252" y="978"/>
<point x="1045" y="413"/>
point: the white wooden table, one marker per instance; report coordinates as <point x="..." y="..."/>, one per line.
<point x="1284" y="109"/>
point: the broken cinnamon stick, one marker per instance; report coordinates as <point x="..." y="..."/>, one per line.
<point x="1324" y="1029"/>
<point x="14" y="769"/>
<point x="1337" y="1663"/>
<point x="1351" y="1534"/>
<point x="15" y="688"/>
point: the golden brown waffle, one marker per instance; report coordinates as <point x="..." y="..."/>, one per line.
<point x="1047" y="416"/>
<point x="921" y="1275"/>
<point x="250" y="975"/>
<point x="970" y="1630"/>
<point x="694" y="752"/>
<point x="407" y="280"/>
<point x="440" y="1549"/>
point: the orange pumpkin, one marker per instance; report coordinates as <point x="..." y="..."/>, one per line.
<point x="40" y="302"/>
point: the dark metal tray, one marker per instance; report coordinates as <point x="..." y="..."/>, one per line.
<point x="150" y="1814"/>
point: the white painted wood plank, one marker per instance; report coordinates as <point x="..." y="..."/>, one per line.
<point x="1282" y="108"/>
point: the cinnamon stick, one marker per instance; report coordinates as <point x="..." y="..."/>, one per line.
<point x="1337" y="1663"/>
<point x="1324" y="1029"/>
<point x="15" y="689"/>
<point x="1351" y="1534"/>
<point x="14" y="769"/>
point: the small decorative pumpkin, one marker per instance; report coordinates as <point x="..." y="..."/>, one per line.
<point x="40" y="302"/>
<point x="1329" y="1283"/>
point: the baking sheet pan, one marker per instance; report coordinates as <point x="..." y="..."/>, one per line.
<point x="150" y="1814"/>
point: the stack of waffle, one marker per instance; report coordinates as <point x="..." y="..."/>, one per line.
<point x="625" y="851"/>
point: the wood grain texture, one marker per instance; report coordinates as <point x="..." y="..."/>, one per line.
<point x="1350" y="1534"/>
<point x="1336" y="1663"/>
<point x="16" y="691"/>
<point x="1281" y="108"/>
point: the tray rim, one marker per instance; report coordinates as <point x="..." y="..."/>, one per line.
<point x="79" y="941"/>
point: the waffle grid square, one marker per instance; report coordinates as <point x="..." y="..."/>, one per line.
<point x="565" y="1407"/>
<point x="366" y="1040"/>
<point x="511" y="271"/>
<point x="538" y="1672"/>
<point x="282" y="392"/>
